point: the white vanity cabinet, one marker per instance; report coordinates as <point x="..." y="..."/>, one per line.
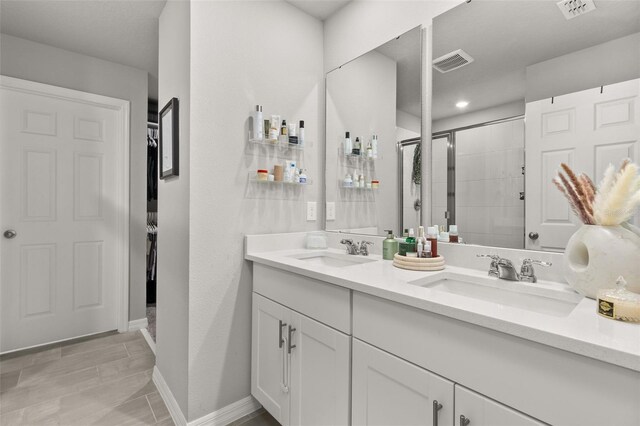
<point x="387" y="390"/>
<point x="300" y="368"/>
<point x="477" y="410"/>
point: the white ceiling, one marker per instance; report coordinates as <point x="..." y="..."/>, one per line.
<point x="125" y="32"/>
<point x="320" y="9"/>
<point x="504" y="37"/>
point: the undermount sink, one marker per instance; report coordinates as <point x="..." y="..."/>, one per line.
<point x="334" y="260"/>
<point x="542" y="299"/>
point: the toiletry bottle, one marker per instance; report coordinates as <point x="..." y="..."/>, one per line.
<point x="432" y="237"/>
<point x="274" y="129"/>
<point x="347" y="182"/>
<point x="411" y="238"/>
<point x="421" y="241"/>
<point x="357" y="146"/>
<point x="419" y="248"/>
<point x="301" y="133"/>
<point x="369" y="150"/>
<point x="453" y="233"/>
<point x="347" y="144"/>
<point x="283" y="132"/>
<point x="293" y="134"/>
<point x="303" y="176"/>
<point x="258" y="124"/>
<point x="389" y="246"/>
<point x="405" y="234"/>
<point x="374" y="146"/>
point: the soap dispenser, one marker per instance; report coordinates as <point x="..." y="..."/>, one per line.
<point x="389" y="246"/>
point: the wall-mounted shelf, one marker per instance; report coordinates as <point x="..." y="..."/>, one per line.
<point x="353" y="188"/>
<point x="254" y="180"/>
<point x="276" y="144"/>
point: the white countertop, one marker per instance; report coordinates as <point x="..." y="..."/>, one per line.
<point x="582" y="332"/>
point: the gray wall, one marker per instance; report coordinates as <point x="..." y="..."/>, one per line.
<point x="243" y="53"/>
<point x="27" y="60"/>
<point x="173" y="208"/>
<point x="607" y="63"/>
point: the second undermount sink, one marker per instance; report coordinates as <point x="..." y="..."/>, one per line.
<point x="334" y="260"/>
<point x="543" y="299"/>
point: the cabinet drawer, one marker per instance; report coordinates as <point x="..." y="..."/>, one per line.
<point x="324" y="302"/>
<point x="550" y="384"/>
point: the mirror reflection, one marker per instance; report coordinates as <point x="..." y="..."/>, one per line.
<point x="373" y="134"/>
<point x="574" y="82"/>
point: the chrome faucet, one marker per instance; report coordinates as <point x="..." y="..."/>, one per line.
<point x="356" y="248"/>
<point x="493" y="267"/>
<point x="351" y="248"/>
<point x="504" y="269"/>
<point x="364" y="247"/>
<point x="526" y="270"/>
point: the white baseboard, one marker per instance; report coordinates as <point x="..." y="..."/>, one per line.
<point x="138" y="324"/>
<point x="221" y="417"/>
<point x="149" y="339"/>
<point x="168" y="398"/>
<point x="228" y="414"/>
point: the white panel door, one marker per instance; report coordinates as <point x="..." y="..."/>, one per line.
<point x="269" y="358"/>
<point x="59" y="196"/>
<point x="387" y="390"/>
<point x="319" y="374"/>
<point x="482" y="411"/>
<point x="587" y="130"/>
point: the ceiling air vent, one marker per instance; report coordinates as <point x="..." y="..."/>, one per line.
<point x="572" y="8"/>
<point x="452" y="61"/>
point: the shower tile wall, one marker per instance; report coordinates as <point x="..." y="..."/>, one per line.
<point x="489" y="180"/>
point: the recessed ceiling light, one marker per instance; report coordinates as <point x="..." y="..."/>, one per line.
<point x="462" y="104"/>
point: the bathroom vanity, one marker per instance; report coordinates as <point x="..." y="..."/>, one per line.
<point x="340" y="339"/>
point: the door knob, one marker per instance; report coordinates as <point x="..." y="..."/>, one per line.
<point x="10" y="233"/>
<point x="533" y="235"/>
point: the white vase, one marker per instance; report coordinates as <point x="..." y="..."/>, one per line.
<point x="597" y="255"/>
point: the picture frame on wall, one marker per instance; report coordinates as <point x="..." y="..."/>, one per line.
<point x="169" y="139"/>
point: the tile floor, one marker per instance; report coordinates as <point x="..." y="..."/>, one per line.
<point x="257" y="418"/>
<point x="102" y="380"/>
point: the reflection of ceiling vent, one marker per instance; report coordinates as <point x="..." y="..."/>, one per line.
<point x="452" y="61"/>
<point x="572" y="8"/>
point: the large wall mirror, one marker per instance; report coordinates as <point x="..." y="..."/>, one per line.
<point x="533" y="89"/>
<point x="373" y="180"/>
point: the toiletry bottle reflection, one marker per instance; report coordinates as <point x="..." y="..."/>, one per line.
<point x="347" y="144"/>
<point x="283" y="132"/>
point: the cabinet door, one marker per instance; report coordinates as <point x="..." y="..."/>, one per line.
<point x="319" y="374"/>
<point x="269" y="368"/>
<point x="387" y="390"/>
<point x="482" y="411"/>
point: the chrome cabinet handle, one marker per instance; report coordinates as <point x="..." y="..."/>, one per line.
<point x="436" y="407"/>
<point x="463" y="420"/>
<point x="285" y="370"/>
<point x="10" y="233"/>
<point x="290" y="346"/>
<point x="533" y="235"/>
<point x="280" y="340"/>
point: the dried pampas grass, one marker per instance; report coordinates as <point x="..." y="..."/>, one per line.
<point x="612" y="203"/>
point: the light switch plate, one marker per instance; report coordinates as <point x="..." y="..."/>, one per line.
<point x="312" y="211"/>
<point x="331" y="210"/>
